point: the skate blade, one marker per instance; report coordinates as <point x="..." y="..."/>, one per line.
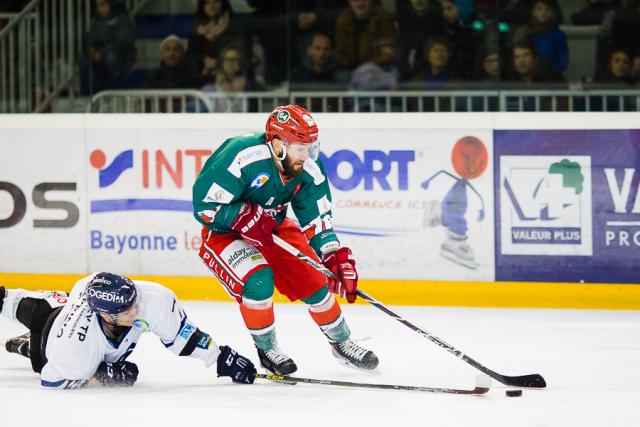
<point x="454" y="258"/>
<point x="348" y="364"/>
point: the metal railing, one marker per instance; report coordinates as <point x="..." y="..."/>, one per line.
<point x="147" y="101"/>
<point x="151" y="101"/>
<point x="39" y="50"/>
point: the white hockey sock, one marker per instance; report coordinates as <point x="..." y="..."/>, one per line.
<point x="11" y="301"/>
<point x="14" y="296"/>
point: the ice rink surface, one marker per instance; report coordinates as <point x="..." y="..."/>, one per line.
<point x="590" y="359"/>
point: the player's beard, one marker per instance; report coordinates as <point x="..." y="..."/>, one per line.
<point x="291" y="168"/>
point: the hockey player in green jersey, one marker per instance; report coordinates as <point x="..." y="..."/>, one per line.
<point x="241" y="198"/>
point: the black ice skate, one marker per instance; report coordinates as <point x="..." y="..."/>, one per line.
<point x="351" y="354"/>
<point x="276" y="362"/>
<point x="19" y="345"/>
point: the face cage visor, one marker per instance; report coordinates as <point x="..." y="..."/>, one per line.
<point x="296" y="150"/>
<point x="113" y="318"/>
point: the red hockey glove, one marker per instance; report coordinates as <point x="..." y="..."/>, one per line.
<point x="254" y="225"/>
<point x="342" y="264"/>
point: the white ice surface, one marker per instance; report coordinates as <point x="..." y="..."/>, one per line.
<point x="590" y="359"/>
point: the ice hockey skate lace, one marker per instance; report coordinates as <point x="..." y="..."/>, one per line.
<point x="353" y="350"/>
<point x="276" y="356"/>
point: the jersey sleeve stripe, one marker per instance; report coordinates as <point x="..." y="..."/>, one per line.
<point x="62" y="384"/>
<point x="182" y="323"/>
<point x="52" y="384"/>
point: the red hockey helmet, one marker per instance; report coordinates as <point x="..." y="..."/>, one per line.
<point x="293" y="124"/>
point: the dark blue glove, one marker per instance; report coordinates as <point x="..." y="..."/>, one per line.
<point x="238" y="368"/>
<point x="117" y="374"/>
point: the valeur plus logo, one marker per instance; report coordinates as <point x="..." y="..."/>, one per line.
<point x="545" y="205"/>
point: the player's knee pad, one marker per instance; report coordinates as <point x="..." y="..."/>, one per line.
<point x="259" y="285"/>
<point x="29" y="308"/>
<point x="317" y="297"/>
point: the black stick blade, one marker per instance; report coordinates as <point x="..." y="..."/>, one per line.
<point x="533" y="380"/>
<point x="480" y="388"/>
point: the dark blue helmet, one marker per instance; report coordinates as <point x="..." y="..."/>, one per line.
<point x="110" y="293"/>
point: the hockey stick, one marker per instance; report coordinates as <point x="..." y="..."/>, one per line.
<point x="531" y="380"/>
<point x="483" y="384"/>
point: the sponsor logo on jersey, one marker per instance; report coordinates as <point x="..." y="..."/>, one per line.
<point x="248" y="156"/>
<point x="142" y="325"/>
<point x="204" y="342"/>
<point x="283" y="116"/>
<point x="241" y="254"/>
<point x="260" y="180"/>
<point x="217" y="194"/>
<point x="106" y="296"/>
<point x="545" y="205"/>
<point x="314" y="170"/>
<point x="186" y="331"/>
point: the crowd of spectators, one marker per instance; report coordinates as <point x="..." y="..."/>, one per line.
<point x="359" y="45"/>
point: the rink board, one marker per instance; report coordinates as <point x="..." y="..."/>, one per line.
<point x="113" y="192"/>
<point x="420" y="293"/>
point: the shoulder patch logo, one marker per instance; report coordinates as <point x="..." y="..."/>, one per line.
<point x="283" y="116"/>
<point x="314" y="170"/>
<point x="142" y="325"/>
<point x="248" y="156"/>
<point x="260" y="180"/>
<point x="217" y="194"/>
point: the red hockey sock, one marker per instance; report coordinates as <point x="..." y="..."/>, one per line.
<point x="327" y="313"/>
<point x="259" y="319"/>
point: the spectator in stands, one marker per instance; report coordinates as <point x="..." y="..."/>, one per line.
<point x="530" y="69"/>
<point x="309" y="17"/>
<point x="625" y="30"/>
<point x="549" y="40"/>
<point x="619" y="30"/>
<point x="359" y="24"/>
<point x="417" y="21"/>
<point x="174" y="71"/>
<point x="618" y="75"/>
<point x="110" y="50"/>
<point x="214" y="27"/>
<point x="437" y="73"/>
<point x="467" y="10"/>
<point x="619" y="70"/>
<point x="231" y="77"/>
<point x="318" y="71"/>
<point x="491" y="69"/>
<point x="380" y="74"/>
<point x="462" y="49"/>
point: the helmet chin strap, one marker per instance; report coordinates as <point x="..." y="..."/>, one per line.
<point x="276" y="159"/>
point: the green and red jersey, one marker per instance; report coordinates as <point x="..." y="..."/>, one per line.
<point x="243" y="169"/>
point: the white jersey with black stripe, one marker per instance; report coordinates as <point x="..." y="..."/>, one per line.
<point x="77" y="344"/>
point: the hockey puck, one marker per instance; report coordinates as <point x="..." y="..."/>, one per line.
<point x="513" y="393"/>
